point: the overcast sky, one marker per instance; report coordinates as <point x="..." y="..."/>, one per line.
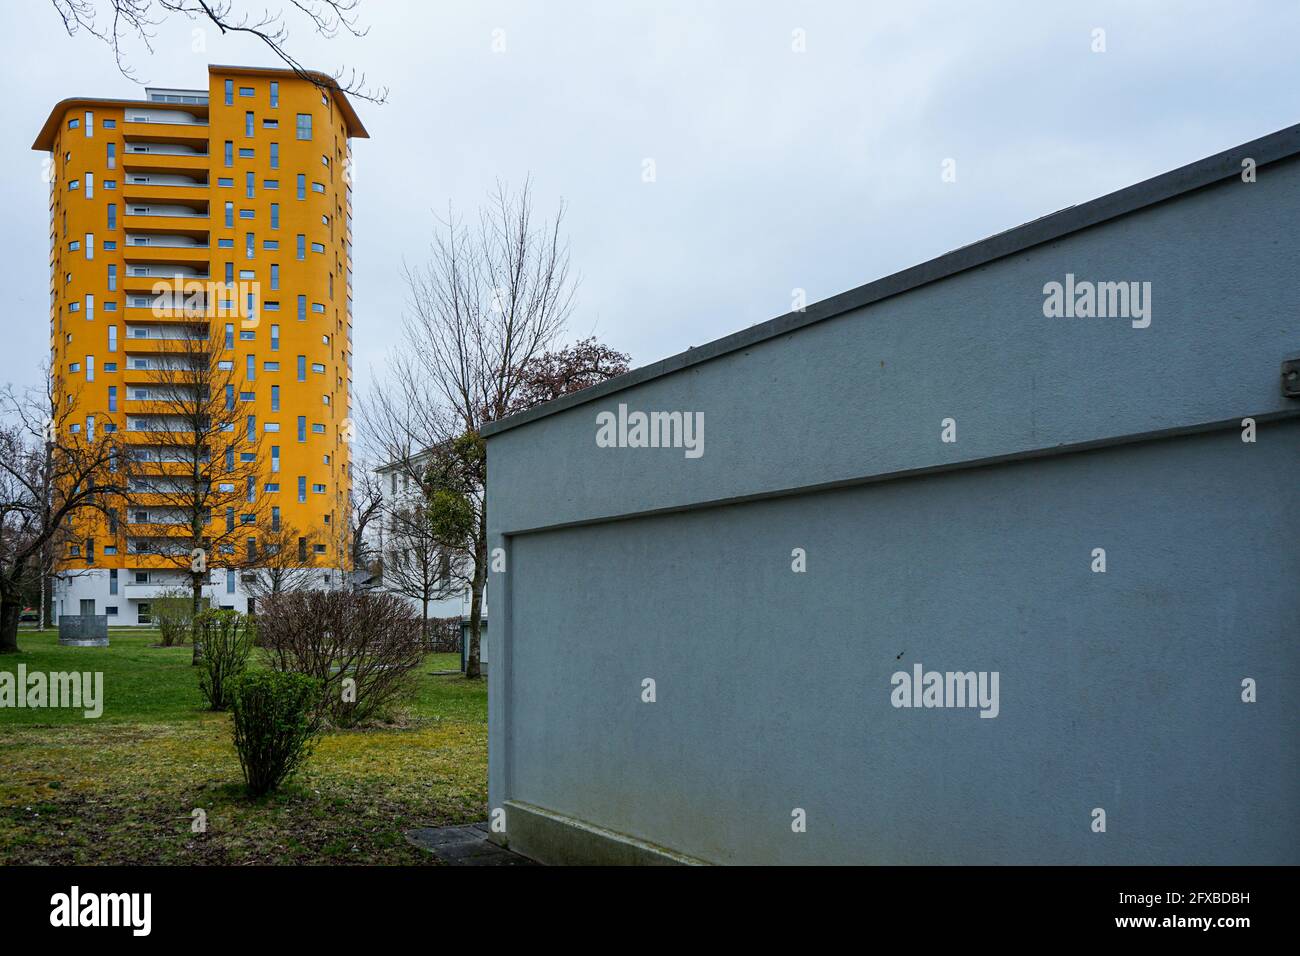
<point x="774" y="169"/>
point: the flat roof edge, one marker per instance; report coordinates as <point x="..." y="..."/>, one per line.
<point x="1204" y="172"/>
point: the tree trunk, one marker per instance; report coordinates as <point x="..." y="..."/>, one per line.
<point x="10" y="611"/>
<point x="196" y="602"/>
<point x="472" y="670"/>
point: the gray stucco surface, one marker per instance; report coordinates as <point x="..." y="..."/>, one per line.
<point x="1118" y="690"/>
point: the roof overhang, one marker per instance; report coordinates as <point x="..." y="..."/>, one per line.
<point x="356" y="129"/>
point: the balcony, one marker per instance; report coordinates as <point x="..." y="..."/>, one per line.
<point x="144" y="214"/>
<point x="145" y="592"/>
<point x="143" y="276"/>
<point x="168" y="315"/>
<point x="165" y="189"/>
<point x="166" y="249"/>
<point x="161" y="163"/>
<point x="151" y="125"/>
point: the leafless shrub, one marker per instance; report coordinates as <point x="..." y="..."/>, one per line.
<point x="444" y="635"/>
<point x="363" y="646"/>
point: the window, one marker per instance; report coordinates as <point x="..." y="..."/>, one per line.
<point x="304" y="126"/>
<point x="271" y="245"/>
<point x="318" y="489"/>
<point x="112" y="155"/>
<point x="246" y="91"/>
<point x="225" y="182"/>
<point x="275" y="93"/>
<point x="112" y="338"/>
<point x="246" y="152"/>
<point x="302" y="186"/>
<point x="275" y="276"/>
<point x="90" y="245"/>
<point x="230" y="215"/>
<point x="230" y="581"/>
<point x="250" y="245"/>
<point x="302" y="247"/>
<point x="74" y="124"/>
<point x="302" y="308"/>
<point x="90" y="368"/>
<point x="317" y="428"/>
<point x="109" y="124"/>
<point x="275" y="338"/>
<point x="112" y="398"/>
<point x="90" y="185"/>
<point x="230" y="92"/>
<point x="252" y="428"/>
<point x="247" y="214"/>
<point x="302" y="491"/>
<point x="90" y="307"/>
<point x="251" y="367"/>
<point x="270" y="366"/>
<point x="112" y="217"/>
<point x="318" y="368"/>
<point x="230" y="153"/>
<point x="112" y="585"/>
<point x="275" y="517"/>
<point x="302" y="368"/>
<point x="318" y="188"/>
<point x="275" y="398"/>
<point x="90" y="124"/>
<point x="230" y="336"/>
<point x="275" y="459"/>
<point x="275" y="215"/>
<point x="248" y="124"/>
<point x="318" y="247"/>
<point x="302" y="428"/>
<point x="275" y="155"/>
<point x="250" y="184"/>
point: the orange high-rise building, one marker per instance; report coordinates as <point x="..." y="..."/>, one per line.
<point x="245" y="185"/>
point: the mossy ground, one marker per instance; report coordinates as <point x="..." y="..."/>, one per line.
<point x="124" y="788"/>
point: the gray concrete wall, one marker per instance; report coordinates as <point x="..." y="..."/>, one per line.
<point x="1119" y="690"/>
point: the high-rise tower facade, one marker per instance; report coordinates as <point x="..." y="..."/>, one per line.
<point x="198" y="225"/>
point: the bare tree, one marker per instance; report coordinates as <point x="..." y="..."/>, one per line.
<point x="59" y="478"/>
<point x="194" y="466"/>
<point x="489" y="300"/>
<point x="416" y="564"/>
<point x="116" y="21"/>
<point x="286" y="562"/>
<point x="365" y="510"/>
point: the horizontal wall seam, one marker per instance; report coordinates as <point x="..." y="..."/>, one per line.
<point x="924" y="471"/>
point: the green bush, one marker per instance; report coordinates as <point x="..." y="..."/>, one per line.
<point x="277" y="717"/>
<point x="226" y="639"/>
<point x="173" y="612"/>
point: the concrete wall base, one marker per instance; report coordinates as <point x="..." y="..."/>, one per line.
<point x="557" y="840"/>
